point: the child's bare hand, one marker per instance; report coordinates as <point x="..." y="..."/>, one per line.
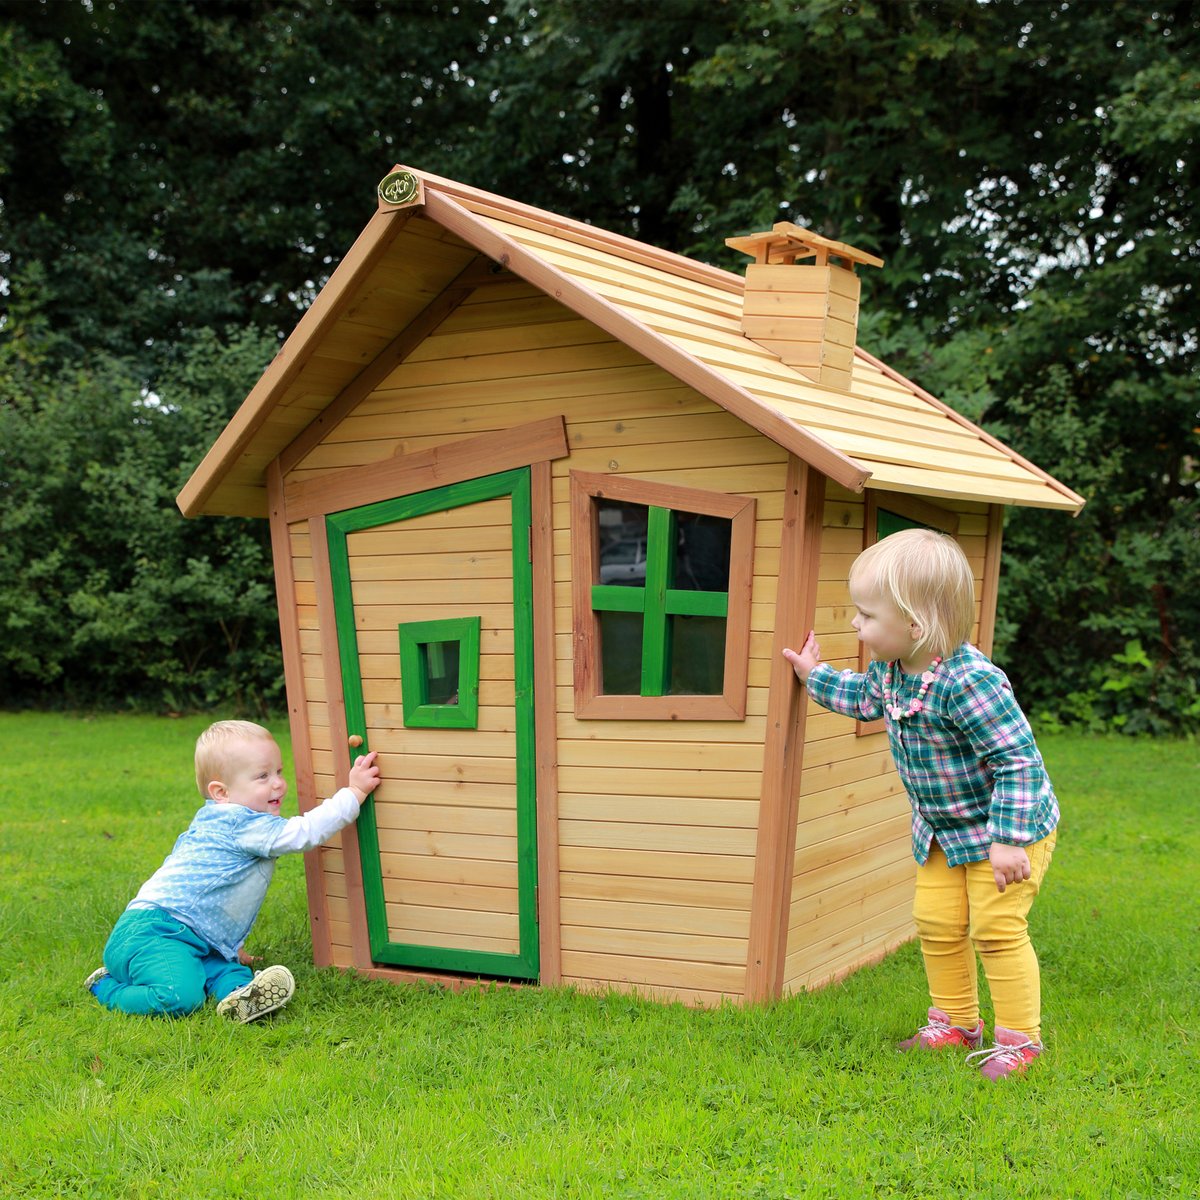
<point x="808" y="657"/>
<point x="248" y="960"/>
<point x="1010" y="864"/>
<point x="364" y="775"/>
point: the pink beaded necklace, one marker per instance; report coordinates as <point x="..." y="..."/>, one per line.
<point x="917" y="703"/>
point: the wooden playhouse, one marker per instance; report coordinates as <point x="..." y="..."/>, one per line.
<point x="546" y="504"/>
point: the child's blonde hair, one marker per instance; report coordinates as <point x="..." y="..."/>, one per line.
<point x="212" y="748"/>
<point x="926" y="576"/>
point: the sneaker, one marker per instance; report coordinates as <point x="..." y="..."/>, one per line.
<point x="270" y="989"/>
<point x="94" y="978"/>
<point x="1011" y="1055"/>
<point x="939" y="1034"/>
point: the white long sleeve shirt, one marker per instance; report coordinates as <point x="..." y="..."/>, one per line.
<point x="216" y="877"/>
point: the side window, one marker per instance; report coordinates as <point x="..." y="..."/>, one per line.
<point x="662" y="579"/>
<point x="887" y="513"/>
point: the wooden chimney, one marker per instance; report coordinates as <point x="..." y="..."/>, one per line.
<point x="806" y="312"/>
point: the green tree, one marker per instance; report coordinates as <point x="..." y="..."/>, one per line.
<point x="170" y="172"/>
<point x="1026" y="169"/>
<point x="1029" y="173"/>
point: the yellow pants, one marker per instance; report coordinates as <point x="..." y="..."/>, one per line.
<point x="959" y="910"/>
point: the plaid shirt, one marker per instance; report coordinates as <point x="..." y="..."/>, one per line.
<point x="968" y="760"/>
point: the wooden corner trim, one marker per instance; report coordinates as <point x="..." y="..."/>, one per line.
<point x="297" y="704"/>
<point x="783" y="753"/>
<point x="404" y="474"/>
<point x="990" y="591"/>
<point x="331" y="663"/>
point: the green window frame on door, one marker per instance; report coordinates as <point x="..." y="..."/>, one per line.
<point x="431" y="654"/>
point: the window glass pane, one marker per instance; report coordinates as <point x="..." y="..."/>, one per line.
<point x="887" y="523"/>
<point x="621" y="653"/>
<point x="440" y="662"/>
<point x="622" y="542"/>
<point x="701" y="553"/>
<point x="697" y="656"/>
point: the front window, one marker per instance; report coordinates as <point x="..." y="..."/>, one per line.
<point x="663" y="578"/>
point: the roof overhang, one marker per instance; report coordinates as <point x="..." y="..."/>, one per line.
<point x="298" y="394"/>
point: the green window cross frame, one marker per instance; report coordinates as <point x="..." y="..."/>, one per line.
<point x="658" y="602"/>
<point x="427" y="649"/>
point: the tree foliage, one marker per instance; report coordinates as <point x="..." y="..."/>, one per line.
<point x="178" y="180"/>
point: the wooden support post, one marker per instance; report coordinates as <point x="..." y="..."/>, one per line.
<point x="799" y="560"/>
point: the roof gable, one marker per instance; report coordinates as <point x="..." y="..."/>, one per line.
<point x="412" y="265"/>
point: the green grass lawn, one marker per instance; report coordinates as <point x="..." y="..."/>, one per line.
<point x="367" y="1090"/>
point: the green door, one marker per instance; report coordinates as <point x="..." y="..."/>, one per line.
<point x="433" y="595"/>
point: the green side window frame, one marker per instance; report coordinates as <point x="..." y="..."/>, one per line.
<point x="658" y="602"/>
<point x="888" y="522"/>
<point x="424" y="651"/>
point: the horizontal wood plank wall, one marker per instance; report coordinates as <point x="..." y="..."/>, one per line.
<point x="853" y="880"/>
<point x="656" y="820"/>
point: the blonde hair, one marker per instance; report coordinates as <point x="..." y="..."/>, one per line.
<point x="213" y="745"/>
<point x="926" y="576"/>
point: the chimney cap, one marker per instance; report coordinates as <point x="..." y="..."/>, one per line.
<point x="786" y="242"/>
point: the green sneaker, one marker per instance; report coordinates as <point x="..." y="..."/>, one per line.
<point x="270" y="989"/>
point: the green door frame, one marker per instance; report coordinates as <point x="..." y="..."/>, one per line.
<point x="525" y="964"/>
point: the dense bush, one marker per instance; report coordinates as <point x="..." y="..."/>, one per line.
<point x="108" y="596"/>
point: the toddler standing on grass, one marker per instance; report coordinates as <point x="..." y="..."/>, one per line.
<point x="181" y="937"/>
<point x="984" y="813"/>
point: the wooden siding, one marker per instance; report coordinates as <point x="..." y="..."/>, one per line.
<point x="656" y="820"/>
<point x="853" y="873"/>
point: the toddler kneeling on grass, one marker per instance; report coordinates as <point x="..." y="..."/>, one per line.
<point x="181" y="937"/>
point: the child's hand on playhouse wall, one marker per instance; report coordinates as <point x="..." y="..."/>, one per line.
<point x="364" y="775"/>
<point x="808" y="657"/>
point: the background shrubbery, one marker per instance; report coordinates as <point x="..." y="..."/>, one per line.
<point x="178" y="180"/>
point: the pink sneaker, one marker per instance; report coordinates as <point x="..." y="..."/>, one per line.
<point x="1011" y="1055"/>
<point x="939" y="1034"/>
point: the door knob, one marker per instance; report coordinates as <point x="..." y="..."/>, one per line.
<point x="355" y="741"/>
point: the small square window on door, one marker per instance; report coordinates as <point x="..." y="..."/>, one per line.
<point x="439" y="673"/>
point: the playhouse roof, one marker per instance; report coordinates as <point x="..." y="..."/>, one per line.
<point x="883" y="432"/>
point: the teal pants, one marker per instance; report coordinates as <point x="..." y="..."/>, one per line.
<point x="157" y="966"/>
